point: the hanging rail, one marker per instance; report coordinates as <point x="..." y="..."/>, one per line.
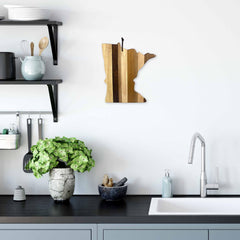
<point x="26" y="112"/>
<point x="52" y="85"/>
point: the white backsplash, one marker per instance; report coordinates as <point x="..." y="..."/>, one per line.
<point x="192" y="85"/>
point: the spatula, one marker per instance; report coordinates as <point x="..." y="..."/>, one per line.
<point x="28" y="156"/>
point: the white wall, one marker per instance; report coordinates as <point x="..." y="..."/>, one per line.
<point x="192" y="85"/>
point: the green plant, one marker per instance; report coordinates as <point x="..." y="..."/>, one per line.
<point x="60" y="152"/>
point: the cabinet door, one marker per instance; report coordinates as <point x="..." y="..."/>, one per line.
<point x="45" y="234"/>
<point x="48" y="231"/>
<point x="224" y="234"/>
<point x="154" y="234"/>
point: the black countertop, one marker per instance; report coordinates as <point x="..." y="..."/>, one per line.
<point x="92" y="209"/>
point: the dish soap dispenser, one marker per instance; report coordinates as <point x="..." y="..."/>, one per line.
<point x="167" y="185"/>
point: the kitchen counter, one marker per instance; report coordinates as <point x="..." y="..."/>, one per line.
<point x="92" y="209"/>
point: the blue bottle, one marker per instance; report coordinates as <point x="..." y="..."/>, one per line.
<point x="167" y="185"/>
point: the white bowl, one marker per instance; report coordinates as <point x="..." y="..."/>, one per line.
<point x="12" y="6"/>
<point x="22" y="13"/>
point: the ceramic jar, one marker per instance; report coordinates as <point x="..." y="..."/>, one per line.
<point x="33" y="68"/>
<point x="19" y="194"/>
<point x="61" y="183"/>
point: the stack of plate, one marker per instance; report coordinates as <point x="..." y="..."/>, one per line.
<point x="22" y="13"/>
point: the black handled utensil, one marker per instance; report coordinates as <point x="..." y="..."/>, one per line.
<point x="28" y="156"/>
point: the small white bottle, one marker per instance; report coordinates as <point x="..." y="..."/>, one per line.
<point x="167" y="185"/>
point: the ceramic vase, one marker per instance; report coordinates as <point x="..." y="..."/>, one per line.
<point x="61" y="183"/>
<point x="33" y="68"/>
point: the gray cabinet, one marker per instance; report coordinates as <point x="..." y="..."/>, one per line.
<point x="155" y="234"/>
<point x="48" y="231"/>
<point x="224" y="234"/>
<point x="120" y="231"/>
<point x="148" y="232"/>
<point x="45" y="234"/>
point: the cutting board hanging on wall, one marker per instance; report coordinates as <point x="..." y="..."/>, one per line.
<point x="121" y="68"/>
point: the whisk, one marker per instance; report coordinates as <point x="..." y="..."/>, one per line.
<point x="25" y="47"/>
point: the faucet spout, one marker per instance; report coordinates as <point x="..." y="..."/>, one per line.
<point x="192" y="150"/>
<point x="203" y="177"/>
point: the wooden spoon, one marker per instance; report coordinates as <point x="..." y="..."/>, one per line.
<point x="43" y="43"/>
<point x="32" y="48"/>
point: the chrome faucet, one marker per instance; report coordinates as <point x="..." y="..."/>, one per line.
<point x="204" y="186"/>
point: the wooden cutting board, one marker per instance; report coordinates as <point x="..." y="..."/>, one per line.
<point x="121" y="67"/>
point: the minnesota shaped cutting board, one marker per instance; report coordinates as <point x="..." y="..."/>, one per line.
<point x="121" y="67"/>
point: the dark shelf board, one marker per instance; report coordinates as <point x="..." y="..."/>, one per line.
<point x="52" y="85"/>
<point x="27" y="82"/>
<point x="52" y="30"/>
<point x="38" y="22"/>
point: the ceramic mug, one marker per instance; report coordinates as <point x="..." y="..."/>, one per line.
<point x="33" y="68"/>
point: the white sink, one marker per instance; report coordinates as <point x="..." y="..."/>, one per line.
<point x="195" y="206"/>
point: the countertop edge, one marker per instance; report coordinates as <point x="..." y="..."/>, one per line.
<point x="122" y="220"/>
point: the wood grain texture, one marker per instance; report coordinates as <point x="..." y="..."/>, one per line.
<point x="121" y="68"/>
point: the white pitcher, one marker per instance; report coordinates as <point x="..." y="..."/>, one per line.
<point x="33" y="68"/>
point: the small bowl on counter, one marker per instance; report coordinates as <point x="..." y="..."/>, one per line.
<point x="114" y="193"/>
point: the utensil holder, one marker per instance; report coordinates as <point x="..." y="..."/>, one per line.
<point x="10" y="141"/>
<point x="33" y="68"/>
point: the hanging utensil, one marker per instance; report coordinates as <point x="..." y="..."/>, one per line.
<point x="43" y="43"/>
<point x="17" y="122"/>
<point x="32" y="48"/>
<point x="25" y="47"/>
<point x="40" y="128"/>
<point x="28" y="156"/>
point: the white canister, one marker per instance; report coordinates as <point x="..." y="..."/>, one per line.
<point x="19" y="194"/>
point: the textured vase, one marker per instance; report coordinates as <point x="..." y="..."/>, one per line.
<point x="61" y="183"/>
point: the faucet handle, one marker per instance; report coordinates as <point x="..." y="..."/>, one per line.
<point x="212" y="186"/>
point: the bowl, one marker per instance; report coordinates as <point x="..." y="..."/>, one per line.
<point x="112" y="193"/>
<point x="22" y="13"/>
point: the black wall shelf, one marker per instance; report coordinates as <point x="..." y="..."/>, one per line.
<point x="52" y="30"/>
<point x="52" y="85"/>
<point x="28" y="82"/>
<point x="37" y="22"/>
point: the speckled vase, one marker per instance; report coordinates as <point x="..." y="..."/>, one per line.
<point x="61" y="183"/>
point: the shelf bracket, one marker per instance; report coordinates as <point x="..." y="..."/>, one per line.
<point x="53" y="34"/>
<point x="53" y="94"/>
